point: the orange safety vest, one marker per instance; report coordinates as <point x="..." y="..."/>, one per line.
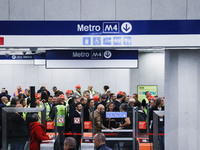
<point x="16" y="92"/>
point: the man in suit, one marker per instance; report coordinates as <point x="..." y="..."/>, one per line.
<point x="100" y="142"/>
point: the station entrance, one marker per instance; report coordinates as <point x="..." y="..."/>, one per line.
<point x="153" y="64"/>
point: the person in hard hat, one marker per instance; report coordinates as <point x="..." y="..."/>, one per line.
<point x="78" y="90"/>
<point x="61" y="113"/>
<point x="96" y="100"/>
<point x="69" y="94"/>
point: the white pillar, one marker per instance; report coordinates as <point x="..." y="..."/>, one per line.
<point x="182" y="106"/>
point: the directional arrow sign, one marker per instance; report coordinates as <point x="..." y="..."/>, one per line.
<point x="126" y="27"/>
<point x="107" y="54"/>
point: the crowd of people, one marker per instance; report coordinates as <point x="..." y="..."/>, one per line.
<point x="69" y="109"/>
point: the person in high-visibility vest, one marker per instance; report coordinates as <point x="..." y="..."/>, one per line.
<point x="18" y="91"/>
<point x="78" y="90"/>
<point x="69" y="94"/>
<point x="91" y="91"/>
<point x="61" y="114"/>
<point x="49" y="106"/>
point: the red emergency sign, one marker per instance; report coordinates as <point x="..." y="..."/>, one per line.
<point x="1" y="40"/>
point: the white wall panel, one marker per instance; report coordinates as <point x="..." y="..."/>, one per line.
<point x="182" y="89"/>
<point x="193" y="11"/>
<point x="150" y="72"/>
<point x="4" y="10"/>
<point x="97" y="9"/>
<point x="18" y="77"/>
<point x="31" y="75"/>
<point x="26" y="9"/>
<point x="133" y="9"/>
<point x="6" y="78"/>
<point x="62" y="9"/>
<point x="168" y="9"/>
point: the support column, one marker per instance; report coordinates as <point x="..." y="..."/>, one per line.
<point x="182" y="105"/>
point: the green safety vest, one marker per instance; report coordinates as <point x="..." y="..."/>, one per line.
<point x="67" y="101"/>
<point x="147" y="102"/>
<point x="77" y="93"/>
<point x="93" y="92"/>
<point x="61" y="112"/>
<point x="48" y="109"/>
<point x="8" y="104"/>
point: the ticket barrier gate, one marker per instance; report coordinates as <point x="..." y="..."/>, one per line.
<point x="121" y="136"/>
<point x="87" y="128"/>
<point x="14" y="110"/>
<point x="139" y="139"/>
<point x="158" y="130"/>
<point x="143" y="142"/>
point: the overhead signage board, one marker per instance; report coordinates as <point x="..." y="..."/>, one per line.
<point x="34" y="59"/>
<point x="153" y="89"/>
<point x="116" y="114"/>
<point x="65" y="59"/>
<point x="106" y="33"/>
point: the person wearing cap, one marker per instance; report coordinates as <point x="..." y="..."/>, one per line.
<point x="78" y="90"/>
<point x="38" y="100"/>
<point x="68" y="94"/>
<point x="61" y="113"/>
<point x="96" y="100"/>
<point x="91" y="91"/>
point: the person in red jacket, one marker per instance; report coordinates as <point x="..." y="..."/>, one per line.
<point x="37" y="133"/>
